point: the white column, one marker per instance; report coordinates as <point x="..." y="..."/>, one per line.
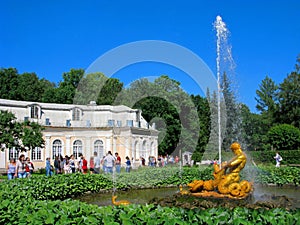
<point x="127" y="146"/>
<point x="68" y="145"/>
<point x="107" y="145"/>
<point x="47" y="152"/>
<point x="88" y="148"/>
<point x="114" y="148"/>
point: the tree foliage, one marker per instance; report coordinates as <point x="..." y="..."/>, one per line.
<point x="289" y="100"/>
<point x="284" y="137"/>
<point x="164" y="103"/>
<point x="20" y="135"/>
<point x="234" y="128"/>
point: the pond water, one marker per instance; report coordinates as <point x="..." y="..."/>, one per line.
<point x="145" y="195"/>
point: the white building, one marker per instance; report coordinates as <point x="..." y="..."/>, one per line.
<point x="74" y="129"/>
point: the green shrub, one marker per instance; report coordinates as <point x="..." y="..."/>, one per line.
<point x="284" y="137"/>
<point x="43" y="198"/>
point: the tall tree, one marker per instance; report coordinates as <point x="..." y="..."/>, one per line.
<point x="174" y="112"/>
<point x="267" y="100"/>
<point x="234" y="129"/>
<point x="203" y="110"/>
<point x="29" y="87"/>
<point x="289" y="98"/>
<point x="65" y="92"/>
<point x="8" y="83"/>
<point x="254" y="132"/>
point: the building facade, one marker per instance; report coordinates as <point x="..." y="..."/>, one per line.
<point x="75" y="129"/>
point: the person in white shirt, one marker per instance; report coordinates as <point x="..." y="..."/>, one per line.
<point x="109" y="161"/>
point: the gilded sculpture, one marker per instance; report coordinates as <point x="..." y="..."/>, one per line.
<point x="226" y="182"/>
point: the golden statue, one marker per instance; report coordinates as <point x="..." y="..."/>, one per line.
<point x="226" y="183"/>
<point x="120" y="202"/>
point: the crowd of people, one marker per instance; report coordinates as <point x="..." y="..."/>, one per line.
<point x="68" y="164"/>
<point x="23" y="167"/>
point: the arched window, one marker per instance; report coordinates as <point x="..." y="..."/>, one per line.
<point x="56" y="148"/>
<point x="152" y="150"/>
<point x="143" y="152"/>
<point x="98" y="147"/>
<point x="35" y="111"/>
<point x="77" y="148"/>
<point x="134" y="152"/>
<point x="76" y="114"/>
<point x="36" y="153"/>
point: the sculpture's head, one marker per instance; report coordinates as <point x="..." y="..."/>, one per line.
<point x="235" y="146"/>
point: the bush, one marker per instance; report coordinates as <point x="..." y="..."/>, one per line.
<point x="284" y="137"/>
<point x="44" y="199"/>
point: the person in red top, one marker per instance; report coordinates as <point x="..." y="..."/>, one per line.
<point x="84" y="165"/>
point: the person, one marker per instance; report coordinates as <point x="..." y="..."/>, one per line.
<point x="11" y="169"/>
<point x="84" y="166"/>
<point x="61" y="164"/>
<point x="66" y="167"/>
<point x="72" y="164"/>
<point x="79" y="162"/>
<point x="109" y="161"/>
<point x="118" y="163"/>
<point x="278" y="159"/>
<point x="97" y="163"/>
<point x="21" y="167"/>
<point x="128" y="164"/>
<point x="48" y="167"/>
<point x="92" y="165"/>
<point x="57" y="165"/>
<point x="29" y="167"/>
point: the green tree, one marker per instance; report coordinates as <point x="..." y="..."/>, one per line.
<point x="65" y="92"/>
<point x="284" y="137"/>
<point x="109" y="92"/>
<point x="8" y="83"/>
<point x="289" y="99"/>
<point x="23" y="136"/>
<point x="234" y="129"/>
<point x="173" y="111"/>
<point x="267" y="101"/>
<point x="29" y="88"/>
<point x="203" y="111"/>
<point x="254" y="132"/>
<point x="97" y="87"/>
<point x="49" y="91"/>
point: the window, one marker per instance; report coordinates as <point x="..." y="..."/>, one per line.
<point x="111" y="123"/>
<point x="76" y="113"/>
<point x="34" y="111"/>
<point x="119" y="123"/>
<point x="56" y="148"/>
<point x="13" y="153"/>
<point x="143" y="151"/>
<point x="130" y="123"/>
<point x="77" y="148"/>
<point x="98" y="147"/>
<point x="36" y="154"/>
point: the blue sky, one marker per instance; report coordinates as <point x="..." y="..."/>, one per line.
<point x="50" y="37"/>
